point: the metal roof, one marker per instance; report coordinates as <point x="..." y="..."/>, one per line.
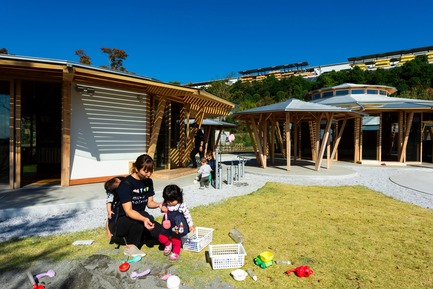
<point x="214" y="122"/>
<point x="294" y="104"/>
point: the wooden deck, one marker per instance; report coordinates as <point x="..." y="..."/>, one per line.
<point x="174" y="173"/>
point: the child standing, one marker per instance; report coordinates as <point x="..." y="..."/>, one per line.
<point x="110" y="187"/>
<point x="180" y="221"/>
<point x="212" y="163"/>
<point x="203" y="173"/>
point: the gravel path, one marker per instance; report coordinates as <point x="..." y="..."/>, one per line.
<point x="375" y="178"/>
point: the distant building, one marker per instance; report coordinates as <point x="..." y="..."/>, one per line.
<point x="367" y="62"/>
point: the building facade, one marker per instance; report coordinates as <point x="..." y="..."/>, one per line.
<point x="78" y="124"/>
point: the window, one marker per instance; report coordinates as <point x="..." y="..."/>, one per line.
<point x="328" y="94"/>
<point x="383" y="92"/>
<point x="315" y="96"/>
<point x="358" y="91"/>
<point x="372" y="91"/>
<point x="342" y="92"/>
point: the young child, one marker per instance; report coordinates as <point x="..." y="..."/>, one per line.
<point x="110" y="187"/>
<point x="212" y="163"/>
<point x="203" y="173"/>
<point x="180" y="221"/>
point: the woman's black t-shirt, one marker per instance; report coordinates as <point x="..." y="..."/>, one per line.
<point x="135" y="191"/>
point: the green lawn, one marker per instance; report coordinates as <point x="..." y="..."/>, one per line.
<point x="351" y="237"/>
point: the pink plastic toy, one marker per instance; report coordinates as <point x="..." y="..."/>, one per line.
<point x="49" y="273"/>
<point x="135" y="275"/>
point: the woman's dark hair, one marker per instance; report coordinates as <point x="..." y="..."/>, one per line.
<point x="144" y="162"/>
<point x="172" y="193"/>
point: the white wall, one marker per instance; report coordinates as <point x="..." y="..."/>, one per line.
<point x="107" y="132"/>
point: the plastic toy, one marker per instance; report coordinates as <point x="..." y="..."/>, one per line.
<point x="166" y="224"/>
<point x="264" y="260"/>
<point x="134" y="259"/>
<point x="34" y="283"/>
<point x="135" y="275"/>
<point x="239" y="274"/>
<point x="124" y="267"/>
<point x="49" y="273"/>
<point x="165" y="277"/>
<point x="301" y="271"/>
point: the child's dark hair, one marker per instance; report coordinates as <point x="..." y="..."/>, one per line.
<point x="109" y="184"/>
<point x="172" y="193"/>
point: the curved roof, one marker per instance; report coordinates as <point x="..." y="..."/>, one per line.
<point x="370" y="101"/>
<point x="345" y="86"/>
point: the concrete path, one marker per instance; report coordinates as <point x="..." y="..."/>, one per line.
<point x="54" y="199"/>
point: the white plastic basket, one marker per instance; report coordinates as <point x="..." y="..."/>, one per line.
<point x="197" y="240"/>
<point x="227" y="256"/>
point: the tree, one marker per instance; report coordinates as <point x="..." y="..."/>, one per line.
<point x="84" y="58"/>
<point x="3" y="51"/>
<point x="220" y="87"/>
<point x="116" y="58"/>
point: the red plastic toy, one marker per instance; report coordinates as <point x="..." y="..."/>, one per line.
<point x="124" y="267"/>
<point x="301" y="271"/>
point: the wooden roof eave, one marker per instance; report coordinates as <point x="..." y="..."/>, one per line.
<point x="25" y="70"/>
<point x="208" y="103"/>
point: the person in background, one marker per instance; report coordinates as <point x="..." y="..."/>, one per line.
<point x="203" y="173"/>
<point x="180" y="221"/>
<point x="198" y="145"/>
<point x="212" y="163"/>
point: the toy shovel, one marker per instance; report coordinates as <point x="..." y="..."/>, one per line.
<point x="166" y="224"/>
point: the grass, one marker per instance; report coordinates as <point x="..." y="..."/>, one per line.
<point x="351" y="237"/>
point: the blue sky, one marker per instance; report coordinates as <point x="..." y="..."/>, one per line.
<point x="193" y="41"/>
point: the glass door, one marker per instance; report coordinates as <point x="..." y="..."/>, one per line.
<point x="4" y="132"/>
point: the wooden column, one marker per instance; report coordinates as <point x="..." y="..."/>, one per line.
<point x="324" y="140"/>
<point x="182" y="137"/>
<point x="288" y="140"/>
<point x="156" y="127"/>
<point x="337" y="141"/>
<point x="259" y="142"/>
<point x="272" y="136"/>
<point x="406" y="137"/>
<point x="66" y="128"/>
<point x="253" y="143"/>
<point x="15" y="135"/>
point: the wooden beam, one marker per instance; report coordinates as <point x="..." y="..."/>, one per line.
<point x="337" y="142"/>
<point x="324" y="141"/>
<point x="279" y="139"/>
<point x="272" y="140"/>
<point x="15" y="98"/>
<point x="253" y="143"/>
<point x="65" y="171"/>
<point x="288" y="140"/>
<point x="406" y="137"/>
<point x="258" y="141"/>
<point x="400" y="132"/>
<point x="156" y="127"/>
<point x="182" y="137"/>
<point x="295" y="142"/>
